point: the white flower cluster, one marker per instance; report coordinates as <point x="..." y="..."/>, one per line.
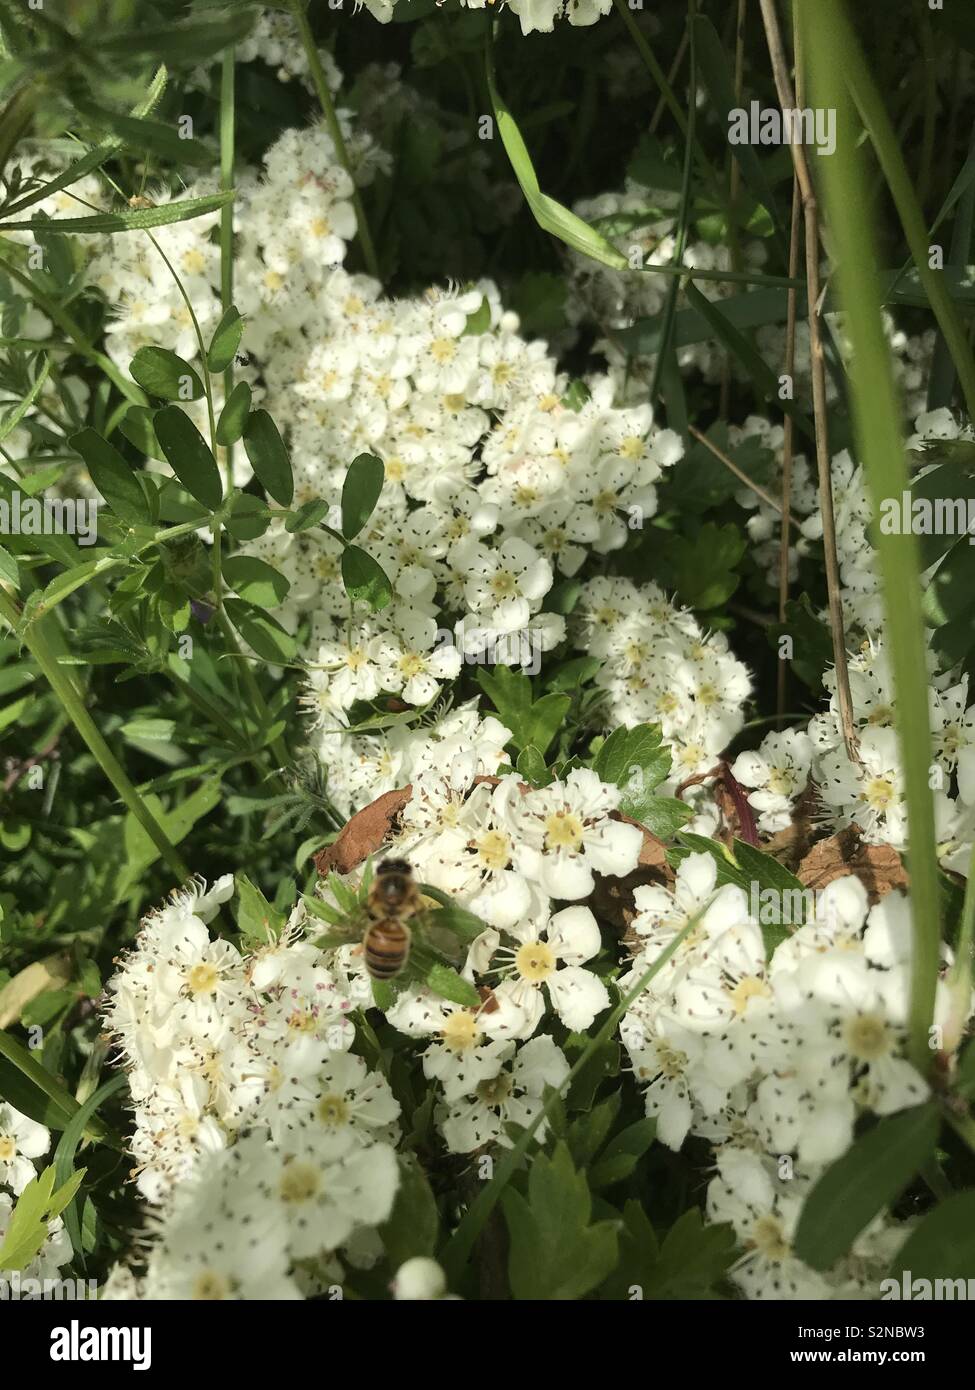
<point x="772" y="1060"/>
<point x="534" y="15"/>
<point x="22" y="1142"/>
<point x="641" y="223"/>
<point x="253" y="1118"/>
<point x="507" y="853"/>
<point x="659" y="667"/>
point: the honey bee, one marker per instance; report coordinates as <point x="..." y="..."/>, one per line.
<point x="393" y="898"/>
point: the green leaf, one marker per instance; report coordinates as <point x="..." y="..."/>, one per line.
<point x="268" y="457"/>
<point x="942" y="1247"/>
<point x="189" y="455"/>
<point x="531" y="767"/>
<point x="256" y="918"/>
<point x="255" y="580"/>
<point x="133" y="220"/>
<point x="136" y="425"/>
<point x="161" y="373"/>
<point x="868" y="1177"/>
<point x="360" y="493"/>
<point x="812" y="645"/>
<point x="364" y="578"/>
<point x="261" y="632"/>
<point x="8" y="568"/>
<point x="550" y="215"/>
<point x="636" y="761"/>
<point x="463" y="924"/>
<point x="445" y="981"/>
<point x="144" y="133"/>
<point x="27" y="1230"/>
<point x="225" y="341"/>
<point x="233" y="417"/>
<point x="112" y="476"/>
<point x="693" y="1257"/>
<point x="12" y="419"/>
<point x="532" y="722"/>
<point x="554" y="1252"/>
<point x="479" y="321"/>
<point x="307" y="515"/>
<point x="65" y="1154"/>
<point x="414" y="1223"/>
<point x="249" y="517"/>
<point x="619" y="1159"/>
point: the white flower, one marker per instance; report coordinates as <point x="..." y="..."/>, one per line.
<point x="21" y="1140"/>
<point x="549" y="955"/>
<point x="565" y="835"/>
<point x="513" y="1094"/>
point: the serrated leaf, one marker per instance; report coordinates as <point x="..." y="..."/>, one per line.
<point x="445" y="981"/>
<point x="257" y="920"/>
<point x="554" y="1251"/>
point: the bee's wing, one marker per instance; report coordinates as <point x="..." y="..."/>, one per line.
<point x="338" y="928"/>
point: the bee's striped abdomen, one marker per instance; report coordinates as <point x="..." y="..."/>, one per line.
<point x="386" y="947"/>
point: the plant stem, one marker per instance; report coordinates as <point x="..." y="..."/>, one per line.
<point x="788" y="101"/>
<point x="788" y="441"/>
<point x="335" y="131"/>
<point x="74" y="706"/>
<point x="881" y="447"/>
<point x="684" y="216"/>
<point x="885" y="144"/>
<point x="227" y="115"/>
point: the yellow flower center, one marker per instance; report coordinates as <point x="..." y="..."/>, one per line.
<point x="210" y="1285"/>
<point x="8" y="1148"/>
<point x="563" y="830"/>
<point x="299" y="1182"/>
<point x="631" y="447"/>
<point x="333" y="1110"/>
<point x="494" y="849"/>
<point x="868" y="1037"/>
<point x="535" y="961"/>
<point x="769" y="1239"/>
<point x="411" y="665"/>
<point x="460" y="1032"/>
<point x="880" y="794"/>
<point x="503" y="584"/>
<point x="496" y="1091"/>
<point x="203" y="978"/>
<point x="442" y="350"/>
<point x="751" y="987"/>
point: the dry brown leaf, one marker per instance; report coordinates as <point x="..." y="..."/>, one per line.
<point x="878" y="867"/>
<point x="364" y="834"/>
